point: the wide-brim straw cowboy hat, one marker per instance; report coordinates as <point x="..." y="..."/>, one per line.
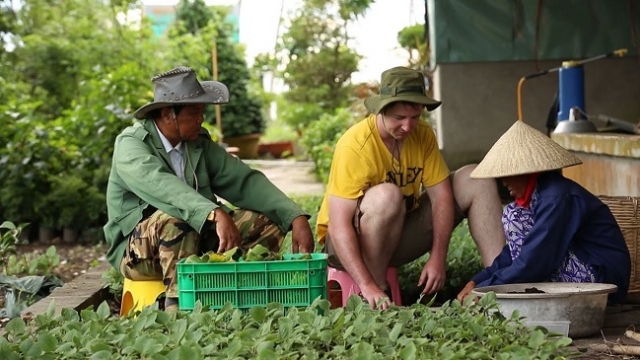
<point x="523" y="150"/>
<point x="179" y="86"/>
<point x="401" y="84"/>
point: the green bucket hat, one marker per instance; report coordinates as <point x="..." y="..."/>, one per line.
<point x="401" y="84"/>
<point x="179" y="86"/>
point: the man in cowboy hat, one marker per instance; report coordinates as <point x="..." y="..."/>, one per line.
<point x="556" y="230"/>
<point x="164" y="182"/>
<point x="390" y="197"/>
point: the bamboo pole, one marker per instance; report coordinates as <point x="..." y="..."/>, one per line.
<point x="618" y="349"/>
<point x="214" y="64"/>
<point x="632" y="335"/>
<point x="275" y="46"/>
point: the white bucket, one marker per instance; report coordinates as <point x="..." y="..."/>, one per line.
<point x="558" y="327"/>
<point x="582" y="304"/>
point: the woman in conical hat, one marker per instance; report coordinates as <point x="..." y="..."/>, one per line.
<point x="556" y="230"/>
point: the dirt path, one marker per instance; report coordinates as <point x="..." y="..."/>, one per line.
<point x="292" y="177"/>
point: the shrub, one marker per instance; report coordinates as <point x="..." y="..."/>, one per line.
<point x="114" y="281"/>
<point x="320" y="137"/>
<point x="20" y="292"/>
<point x="298" y="115"/>
<point x="72" y="202"/>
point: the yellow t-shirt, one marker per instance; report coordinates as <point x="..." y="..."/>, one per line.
<point x="361" y="160"/>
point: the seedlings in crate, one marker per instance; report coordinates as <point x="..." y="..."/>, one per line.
<point x="193" y="259"/>
<point x="261" y="253"/>
<point x="273" y="256"/>
<point x="214" y="257"/>
<point x="299" y="278"/>
<point x="233" y="254"/>
<point x="257" y="253"/>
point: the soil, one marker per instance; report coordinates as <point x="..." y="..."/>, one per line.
<point x="532" y="290"/>
<point x="75" y="259"/>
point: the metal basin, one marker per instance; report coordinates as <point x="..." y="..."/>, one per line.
<point x="583" y="304"/>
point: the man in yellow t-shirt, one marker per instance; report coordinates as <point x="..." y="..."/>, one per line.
<point x="390" y="195"/>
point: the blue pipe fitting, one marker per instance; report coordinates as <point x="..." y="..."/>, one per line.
<point x="571" y="89"/>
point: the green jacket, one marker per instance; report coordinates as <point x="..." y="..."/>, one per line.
<point x="141" y="176"/>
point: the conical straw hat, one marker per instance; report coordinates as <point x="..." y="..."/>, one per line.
<point x="523" y="150"/>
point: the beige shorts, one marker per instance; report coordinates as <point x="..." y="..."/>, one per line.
<point x="417" y="234"/>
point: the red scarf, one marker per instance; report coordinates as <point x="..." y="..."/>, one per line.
<point x="525" y="201"/>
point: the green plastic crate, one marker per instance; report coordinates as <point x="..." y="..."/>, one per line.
<point x="291" y="282"/>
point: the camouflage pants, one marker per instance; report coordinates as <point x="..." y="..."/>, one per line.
<point x="160" y="241"/>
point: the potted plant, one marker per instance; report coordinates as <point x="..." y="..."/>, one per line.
<point x="47" y="213"/>
<point x="78" y="204"/>
<point x="277" y="149"/>
<point x="19" y="205"/>
<point x="278" y="140"/>
<point x="242" y="126"/>
<point x="242" y="118"/>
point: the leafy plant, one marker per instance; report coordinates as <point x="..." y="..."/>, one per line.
<point x="472" y="331"/>
<point x="20" y="292"/>
<point x="114" y="282"/>
<point x="193" y="15"/>
<point x="24" y="291"/>
<point x="463" y="262"/>
<point x="213" y="131"/>
<point x="41" y="264"/>
<point x="9" y="239"/>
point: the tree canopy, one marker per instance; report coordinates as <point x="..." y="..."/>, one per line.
<point x="71" y="75"/>
<point x="318" y="59"/>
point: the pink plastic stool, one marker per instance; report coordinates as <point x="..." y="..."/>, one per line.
<point x="349" y="287"/>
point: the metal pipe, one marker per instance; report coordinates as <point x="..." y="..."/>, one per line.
<point x="619" y="53"/>
<point x="619" y="124"/>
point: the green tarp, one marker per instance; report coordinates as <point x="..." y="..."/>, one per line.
<point x="504" y="30"/>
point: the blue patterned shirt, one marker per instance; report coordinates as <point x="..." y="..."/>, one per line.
<point x="568" y="234"/>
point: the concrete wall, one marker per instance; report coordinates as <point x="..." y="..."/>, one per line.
<point x="611" y="162"/>
<point x="479" y="100"/>
<point x="607" y="175"/>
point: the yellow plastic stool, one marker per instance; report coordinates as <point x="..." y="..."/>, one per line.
<point x="139" y="294"/>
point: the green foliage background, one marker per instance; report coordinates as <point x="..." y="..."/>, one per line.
<point x="319" y="61"/>
<point x="71" y="74"/>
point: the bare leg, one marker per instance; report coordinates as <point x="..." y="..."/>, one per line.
<point x="380" y="227"/>
<point x="479" y="199"/>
